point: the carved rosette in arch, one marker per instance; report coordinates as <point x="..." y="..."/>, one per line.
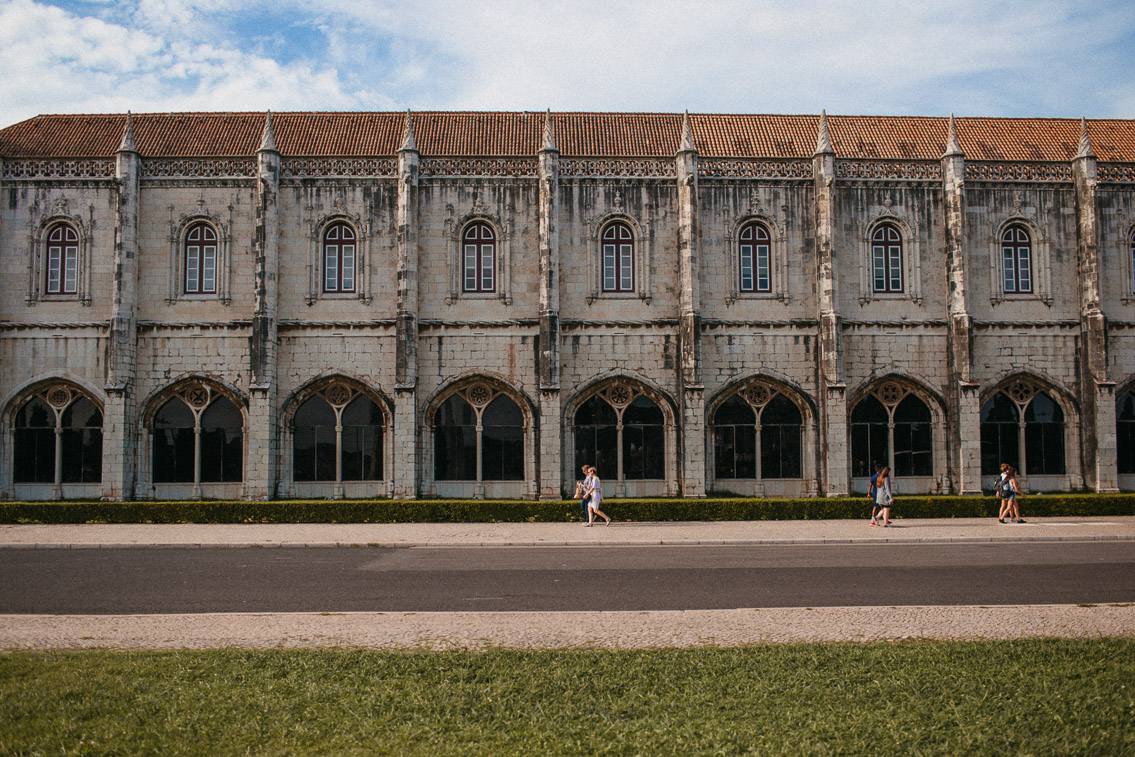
<point x="1017" y="171"/>
<point x="629" y="167"/>
<point x="1022" y="391"/>
<point x="508" y="167"/>
<point x="334" y="167"/>
<point x="891" y="393"/>
<point x="157" y="168"/>
<point x="197" y="395"/>
<point x="92" y="168"/>
<point x="620" y="394"/>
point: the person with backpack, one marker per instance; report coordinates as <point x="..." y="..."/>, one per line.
<point x="1009" y="493"/>
<point x="883" y="496"/>
<point x="872" y="491"/>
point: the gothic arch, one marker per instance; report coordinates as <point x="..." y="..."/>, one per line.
<point x="157" y="398"/>
<point x="495" y="383"/>
<point x="804" y="403"/>
<point x="1062" y="396"/>
<point x="890" y="391"/>
<point x="15" y="398"/>
<point x="656" y="393"/>
<point x="325" y="381"/>
<point x="1021" y="387"/>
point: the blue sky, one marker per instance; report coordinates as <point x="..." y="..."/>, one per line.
<point x="1035" y="58"/>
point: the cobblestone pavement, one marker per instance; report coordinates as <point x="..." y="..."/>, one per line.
<point x="470" y="630"/>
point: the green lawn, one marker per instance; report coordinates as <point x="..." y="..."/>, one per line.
<point x="1022" y="697"/>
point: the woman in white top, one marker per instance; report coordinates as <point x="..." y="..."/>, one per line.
<point x="883" y="498"/>
<point x="593" y="487"/>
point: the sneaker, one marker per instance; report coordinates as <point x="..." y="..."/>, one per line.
<point x="873" y="523"/>
<point x="1013" y="520"/>
<point x="1001" y="521"/>
<point x="1020" y="520"/>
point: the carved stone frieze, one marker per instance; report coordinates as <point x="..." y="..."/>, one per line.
<point x="888" y="169"/>
<point x="1119" y="172"/>
<point x="628" y="167"/>
<point x="754" y="169"/>
<point x="1006" y="171"/>
<point x="58" y="169"/>
<point x="478" y="166"/>
<point x="161" y="168"/>
<point x="321" y="167"/>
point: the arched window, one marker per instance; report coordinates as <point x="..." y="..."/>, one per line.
<point x="62" y="259"/>
<point x="479" y="436"/>
<point x="621" y="432"/>
<point x="1024" y="427"/>
<point x="198" y="436"/>
<point x="1016" y="260"/>
<point x="337" y="435"/>
<point x="618" y="258"/>
<point x="753" y="264"/>
<point x="1125" y="432"/>
<point x="339" y="258"/>
<point x="757" y="434"/>
<point x="886" y="259"/>
<point x="893" y="427"/>
<point x="1132" y="259"/>
<point x="479" y="255"/>
<point x="201" y="259"/>
<point x="58" y="439"/>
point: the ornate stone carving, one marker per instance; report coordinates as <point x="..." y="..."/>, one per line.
<point x="1019" y="171"/>
<point x="1119" y="172"/>
<point x="479" y="167"/>
<point x="58" y="396"/>
<point x="1021" y="391"/>
<point x="479" y="395"/>
<point x="323" y="167"/>
<point x="620" y="395"/>
<point x="196" y="395"/>
<point x="889" y="169"/>
<point x="153" y="168"/>
<point x="629" y="167"/>
<point x="758" y="395"/>
<point x="754" y="169"/>
<point x="890" y="393"/>
<point x="337" y="394"/>
<point x="91" y="168"/>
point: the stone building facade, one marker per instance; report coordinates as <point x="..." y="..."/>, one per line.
<point x="472" y="304"/>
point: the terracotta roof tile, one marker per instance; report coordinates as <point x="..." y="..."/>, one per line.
<point x="577" y="134"/>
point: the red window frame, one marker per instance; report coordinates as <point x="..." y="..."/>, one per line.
<point x="479" y="258"/>
<point x="1016" y="260"/>
<point x="340" y="259"/>
<point x="886" y="259"/>
<point x="201" y="259"/>
<point x="62" y="260"/>
<point x="618" y="257"/>
<point x="754" y="266"/>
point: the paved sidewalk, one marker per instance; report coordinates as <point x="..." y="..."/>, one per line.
<point x="947" y="530"/>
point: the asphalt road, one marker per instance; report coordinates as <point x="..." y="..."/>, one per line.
<point x="375" y="579"/>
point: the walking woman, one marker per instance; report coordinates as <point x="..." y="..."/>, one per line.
<point x="883" y="497"/>
<point x="1009" y="492"/>
<point x="594" y="494"/>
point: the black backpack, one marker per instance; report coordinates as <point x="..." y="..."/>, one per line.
<point x="1005" y="488"/>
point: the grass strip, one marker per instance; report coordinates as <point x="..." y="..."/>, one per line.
<point x="1012" y="697"/>
<point x="514" y="511"/>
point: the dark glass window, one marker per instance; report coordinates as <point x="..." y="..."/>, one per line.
<point x="62" y="262"/>
<point x="339" y="258"/>
<point x="455" y="441"/>
<point x="34" y="448"/>
<point x="886" y="259"/>
<point x="643" y="440"/>
<point x="82" y="443"/>
<point x="780" y="439"/>
<point x="1000" y="429"/>
<point x="1044" y="437"/>
<point x="222" y="442"/>
<point x="753" y="259"/>
<point x="596" y="436"/>
<point x="1016" y="260"/>
<point x="1125" y="436"/>
<point x="201" y="259"/>
<point x="869" y="432"/>
<point x="735" y="440"/>
<point x="313" y="441"/>
<point x="362" y="440"/>
<point x="479" y="247"/>
<point x="913" y="441"/>
<point x="174" y="443"/>
<point x="502" y="441"/>
<point x="618" y="258"/>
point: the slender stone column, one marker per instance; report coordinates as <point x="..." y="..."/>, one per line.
<point x="1097" y="422"/>
<point x="832" y="423"/>
<point x="261" y="432"/>
<point x="405" y="446"/>
<point x="549" y="449"/>
<point x="691" y="465"/>
<point x="119" y="415"/>
<point x="963" y="426"/>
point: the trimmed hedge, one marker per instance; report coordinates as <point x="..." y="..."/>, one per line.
<point x="518" y="511"/>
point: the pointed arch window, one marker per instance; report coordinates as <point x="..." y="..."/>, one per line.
<point x="886" y="259"/>
<point x="198" y="437"/>
<point x="892" y="426"/>
<point x="339" y="258"/>
<point x="58" y="439"/>
<point x="1024" y="427"/>
<point x="479" y="436"/>
<point x="1016" y="260"/>
<point x="757" y="434"/>
<point x="201" y="259"/>
<point x="621" y="432"/>
<point x="618" y="257"/>
<point x="337" y="435"/>
<point x="62" y="259"/>
<point x="753" y="259"/>
<point x="479" y="255"/>
<point x="1125" y="433"/>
